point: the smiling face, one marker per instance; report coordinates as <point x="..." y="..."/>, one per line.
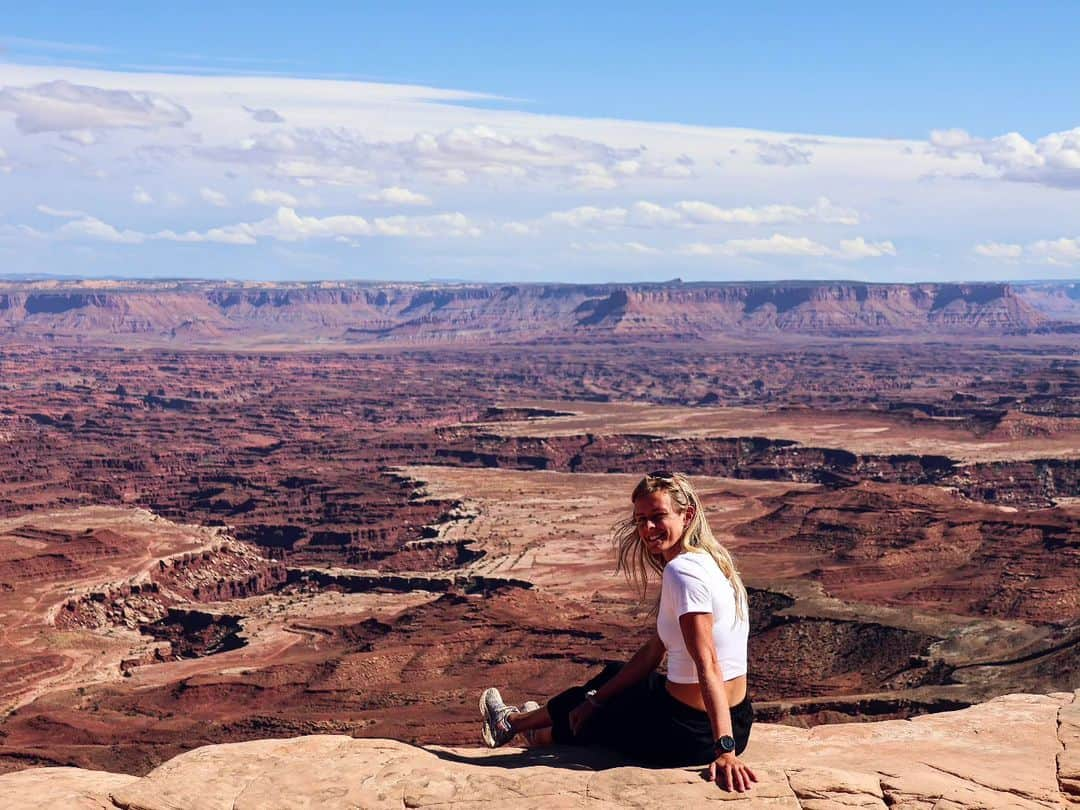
<point x="660" y="525"/>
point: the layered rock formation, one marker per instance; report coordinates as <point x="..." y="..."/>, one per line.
<point x="205" y="311"/>
<point x="113" y="571"/>
<point x="1021" y="751"/>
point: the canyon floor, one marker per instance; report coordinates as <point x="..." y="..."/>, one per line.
<point x="204" y="545"/>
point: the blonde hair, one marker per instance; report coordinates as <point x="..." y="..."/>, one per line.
<point x="634" y="559"/>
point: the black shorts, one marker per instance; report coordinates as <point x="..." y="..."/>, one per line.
<point x="646" y="723"/>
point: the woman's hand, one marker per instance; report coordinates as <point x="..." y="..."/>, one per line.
<point x="728" y="772"/>
<point x="580" y="716"/>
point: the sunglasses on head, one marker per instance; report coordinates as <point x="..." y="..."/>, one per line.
<point x="666" y="475"/>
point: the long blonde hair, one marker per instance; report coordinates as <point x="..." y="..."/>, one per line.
<point x="634" y="559"/>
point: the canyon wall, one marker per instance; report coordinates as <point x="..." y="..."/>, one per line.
<point x="363" y="312"/>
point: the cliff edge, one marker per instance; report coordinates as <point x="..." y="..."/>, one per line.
<point x="1019" y="751"/>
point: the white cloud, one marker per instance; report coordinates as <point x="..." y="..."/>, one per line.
<point x="1062" y="251"/>
<point x="60" y="106"/>
<point x="262" y="196"/>
<point x="96" y="230"/>
<point x="82" y="137"/>
<point x="310" y="173"/>
<point x="695" y="212"/>
<point x="593" y="177"/>
<point x="229" y="235"/>
<point x="822" y="211"/>
<point x="636" y="248"/>
<point x="62" y="213"/>
<point x="1053" y="160"/>
<point x="396" y="195"/>
<point x="859" y="248"/>
<point x="5" y="166"/>
<point x="650" y="215"/>
<point x="949" y="139"/>
<point x="791" y="246"/>
<point x="283" y="226"/>
<point x="696" y="249"/>
<point x="452" y="156"/>
<point x="653" y="184"/>
<point x="998" y="250"/>
<point x="213" y="197"/>
<point x="775" y="245"/>
<point x="453" y="177"/>
<point x="588" y="216"/>
<point x="519" y="228"/>
<point x="779" y="153"/>
<point x="1055" y="251"/>
<point x="455" y="225"/>
<point x="265" y="115"/>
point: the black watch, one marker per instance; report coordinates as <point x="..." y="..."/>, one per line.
<point x="724" y="745"/>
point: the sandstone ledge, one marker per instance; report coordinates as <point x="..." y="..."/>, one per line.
<point x="1019" y="751"/>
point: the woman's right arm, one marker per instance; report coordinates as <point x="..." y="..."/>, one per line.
<point x="644" y="661"/>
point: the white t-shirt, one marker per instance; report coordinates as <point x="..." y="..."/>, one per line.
<point x="694" y="583"/>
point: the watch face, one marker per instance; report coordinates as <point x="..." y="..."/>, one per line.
<point x="725" y="745"/>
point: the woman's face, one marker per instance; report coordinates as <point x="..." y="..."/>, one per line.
<point x="659" y="525"/>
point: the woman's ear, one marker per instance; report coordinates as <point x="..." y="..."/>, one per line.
<point x="690" y="512"/>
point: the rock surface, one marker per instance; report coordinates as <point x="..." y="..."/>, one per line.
<point x="1019" y="751"/>
<point x="194" y="311"/>
<point x="829" y="464"/>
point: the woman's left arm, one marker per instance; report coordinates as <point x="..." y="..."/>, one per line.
<point x="726" y="770"/>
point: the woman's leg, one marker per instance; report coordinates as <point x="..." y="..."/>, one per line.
<point x="643" y="722"/>
<point x="648" y="725"/>
<point x="560" y="706"/>
<point x="540" y="738"/>
<point x="552" y="721"/>
<point x="530" y="721"/>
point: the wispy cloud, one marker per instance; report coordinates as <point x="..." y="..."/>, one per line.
<point x="689" y="213"/>
<point x="60" y="106"/>
<point x="262" y="196"/>
<point x="396" y="195"/>
<point x="634" y="248"/>
<point x="214" y="197"/>
<point x="791" y="246"/>
<point x="190" y="158"/>
<point x="265" y="115"/>
<point x="1062" y="251"/>
<point x="27" y="44"/>
<point x="998" y="250"/>
<point x="341" y="157"/>
<point x="286" y="225"/>
<point x="781" y="153"/>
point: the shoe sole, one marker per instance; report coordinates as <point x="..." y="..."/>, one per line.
<point x="487" y="732"/>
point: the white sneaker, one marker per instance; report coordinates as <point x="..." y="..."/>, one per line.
<point x="496" y="730"/>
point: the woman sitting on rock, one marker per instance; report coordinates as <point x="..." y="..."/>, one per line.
<point x="700" y="712"/>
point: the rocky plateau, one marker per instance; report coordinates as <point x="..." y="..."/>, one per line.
<point x="234" y="512"/>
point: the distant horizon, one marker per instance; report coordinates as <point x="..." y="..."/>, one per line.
<point x="18" y="278"/>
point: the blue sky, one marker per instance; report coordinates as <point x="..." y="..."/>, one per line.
<point x="828" y="140"/>
<point x="874" y="69"/>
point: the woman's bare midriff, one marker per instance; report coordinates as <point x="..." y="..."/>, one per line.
<point x="690" y="693"/>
